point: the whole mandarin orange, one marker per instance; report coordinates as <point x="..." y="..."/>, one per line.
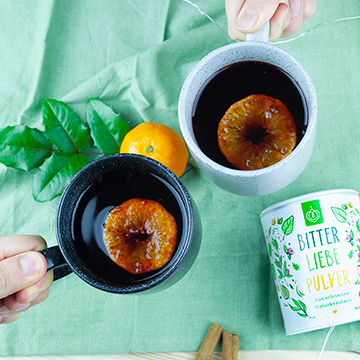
<point x="256" y="132"/>
<point x="158" y="142"/>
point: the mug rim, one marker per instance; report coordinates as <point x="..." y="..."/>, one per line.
<point x="67" y="204"/>
<point x="186" y="126"/>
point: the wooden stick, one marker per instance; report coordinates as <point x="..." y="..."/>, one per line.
<point x="235" y="347"/>
<point x="227" y="345"/>
<point x="209" y="343"/>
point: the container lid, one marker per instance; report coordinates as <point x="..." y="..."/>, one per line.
<point x="302" y="198"/>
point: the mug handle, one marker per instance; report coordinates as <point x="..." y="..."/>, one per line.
<point x="260" y="35"/>
<point x="56" y="261"/>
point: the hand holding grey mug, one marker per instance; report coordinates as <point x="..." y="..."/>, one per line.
<point x="227" y="75"/>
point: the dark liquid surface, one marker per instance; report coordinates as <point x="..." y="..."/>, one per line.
<point x="96" y="202"/>
<point x="234" y="83"/>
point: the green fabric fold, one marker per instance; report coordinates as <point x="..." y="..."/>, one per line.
<point x="135" y="55"/>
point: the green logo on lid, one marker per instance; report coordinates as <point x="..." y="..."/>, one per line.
<point x="312" y="212"/>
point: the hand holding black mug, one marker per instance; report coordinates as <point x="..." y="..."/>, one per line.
<point x="25" y="259"/>
<point x="24" y="281"/>
<point x="84" y="205"/>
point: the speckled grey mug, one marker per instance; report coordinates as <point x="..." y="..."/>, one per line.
<point x="254" y="182"/>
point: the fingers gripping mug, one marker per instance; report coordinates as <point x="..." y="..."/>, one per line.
<point x="83" y="207"/>
<point x="227" y="75"/>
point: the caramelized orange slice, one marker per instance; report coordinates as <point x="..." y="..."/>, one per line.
<point x="140" y="235"/>
<point x="256" y="132"/>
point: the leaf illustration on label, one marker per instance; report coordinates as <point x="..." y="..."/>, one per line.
<point x="285" y="292"/>
<point x="299" y="292"/>
<point x="302" y="315"/>
<point x="293" y="308"/>
<point x="273" y="270"/>
<point x="358" y="280"/>
<point x="277" y="263"/>
<point x="339" y="214"/>
<point x="300" y="308"/>
<point x="275" y="243"/>
<point x="288" y="225"/>
<point x="303" y="306"/>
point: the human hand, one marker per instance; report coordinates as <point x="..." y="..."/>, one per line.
<point x="24" y="281"/>
<point x="248" y="16"/>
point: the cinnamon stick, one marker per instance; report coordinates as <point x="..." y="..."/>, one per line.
<point x="235" y="347"/>
<point x="227" y="345"/>
<point x="209" y="343"/>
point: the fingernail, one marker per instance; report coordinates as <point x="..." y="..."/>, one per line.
<point x="33" y="297"/>
<point x="4" y="310"/>
<point x="30" y="264"/>
<point x="295" y="8"/>
<point x="21" y="307"/>
<point x="283" y="17"/>
<point x="247" y="19"/>
<point x="1" y="318"/>
<point x="286" y="5"/>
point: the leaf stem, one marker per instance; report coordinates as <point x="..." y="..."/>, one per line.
<point x="77" y="152"/>
<point x="91" y="153"/>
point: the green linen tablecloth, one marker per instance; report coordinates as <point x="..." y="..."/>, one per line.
<point x="135" y="55"/>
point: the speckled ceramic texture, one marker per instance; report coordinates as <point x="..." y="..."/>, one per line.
<point x="255" y="182"/>
<point x="66" y="253"/>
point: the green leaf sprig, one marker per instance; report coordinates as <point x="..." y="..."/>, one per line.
<point x="300" y="308"/>
<point x="63" y="148"/>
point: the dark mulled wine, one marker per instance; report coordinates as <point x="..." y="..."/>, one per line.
<point x="233" y="83"/>
<point x="94" y="205"/>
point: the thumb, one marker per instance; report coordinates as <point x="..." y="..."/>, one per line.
<point x="255" y="14"/>
<point x="21" y="271"/>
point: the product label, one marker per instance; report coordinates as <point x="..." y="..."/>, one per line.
<point x="314" y="250"/>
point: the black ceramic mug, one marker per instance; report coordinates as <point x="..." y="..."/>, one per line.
<point x="91" y="194"/>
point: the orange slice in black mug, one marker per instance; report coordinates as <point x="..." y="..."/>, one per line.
<point x="140" y="235"/>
